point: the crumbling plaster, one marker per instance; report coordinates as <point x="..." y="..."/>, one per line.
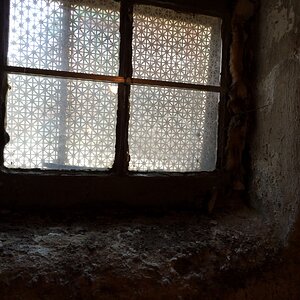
<point x="275" y="143"/>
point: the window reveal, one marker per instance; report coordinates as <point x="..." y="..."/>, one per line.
<point x="66" y="123"/>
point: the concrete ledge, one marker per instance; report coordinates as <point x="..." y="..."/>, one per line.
<point x="125" y="256"/>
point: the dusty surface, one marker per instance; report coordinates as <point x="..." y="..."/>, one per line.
<point x="124" y="256"/>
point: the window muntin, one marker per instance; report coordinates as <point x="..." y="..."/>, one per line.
<point x="81" y="158"/>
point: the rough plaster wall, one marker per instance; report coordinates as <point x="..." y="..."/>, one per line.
<point x="275" y="152"/>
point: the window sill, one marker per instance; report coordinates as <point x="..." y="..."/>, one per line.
<point x="127" y="256"/>
<point x="88" y="190"/>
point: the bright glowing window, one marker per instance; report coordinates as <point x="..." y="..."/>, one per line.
<point x="67" y="75"/>
<point x="173" y="128"/>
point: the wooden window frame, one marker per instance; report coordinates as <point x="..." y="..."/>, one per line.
<point x="36" y="187"/>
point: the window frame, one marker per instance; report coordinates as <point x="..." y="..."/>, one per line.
<point x="128" y="187"/>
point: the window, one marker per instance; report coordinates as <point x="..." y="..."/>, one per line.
<point x="174" y="128"/>
<point x="92" y="88"/>
<point x="55" y="121"/>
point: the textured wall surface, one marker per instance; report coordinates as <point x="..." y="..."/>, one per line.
<point x="275" y="150"/>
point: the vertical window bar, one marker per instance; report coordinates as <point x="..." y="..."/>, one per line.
<point x="125" y="70"/>
<point x="4" y="23"/>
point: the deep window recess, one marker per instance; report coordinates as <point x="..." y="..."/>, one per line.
<point x="99" y="84"/>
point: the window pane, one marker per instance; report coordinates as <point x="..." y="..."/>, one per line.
<point x="172" y="129"/>
<point x="60" y="123"/>
<point x="175" y="46"/>
<point x="79" y="36"/>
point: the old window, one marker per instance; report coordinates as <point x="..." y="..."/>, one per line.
<point x="99" y="84"/>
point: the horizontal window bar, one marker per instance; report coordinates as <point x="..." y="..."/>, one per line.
<point x="201" y="87"/>
<point x="64" y="74"/>
<point x="114" y="79"/>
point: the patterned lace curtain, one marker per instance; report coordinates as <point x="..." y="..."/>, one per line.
<point x="70" y="123"/>
<point x="54" y="122"/>
<point x="173" y="129"/>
